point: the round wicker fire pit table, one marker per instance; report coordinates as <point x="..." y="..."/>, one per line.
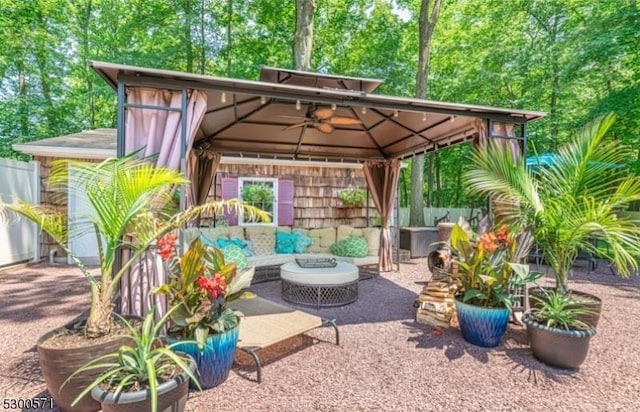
<point x="319" y="286"/>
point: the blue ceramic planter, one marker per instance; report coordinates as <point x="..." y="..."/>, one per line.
<point x="482" y="326"/>
<point x="215" y="361"/>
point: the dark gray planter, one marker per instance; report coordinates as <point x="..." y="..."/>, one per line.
<point x="172" y="396"/>
<point x="561" y="348"/>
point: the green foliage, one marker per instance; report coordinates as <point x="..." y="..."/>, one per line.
<point x="131" y="204"/>
<point x="200" y="286"/>
<point x="353" y="196"/>
<point x="559" y="310"/>
<point x="143" y="364"/>
<point x="257" y="193"/>
<point x="569" y="204"/>
<point x="488" y="264"/>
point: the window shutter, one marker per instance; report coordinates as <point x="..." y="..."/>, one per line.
<point x="229" y="190"/>
<point x="285" y="202"/>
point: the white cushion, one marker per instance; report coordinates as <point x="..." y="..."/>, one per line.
<point x="342" y="273"/>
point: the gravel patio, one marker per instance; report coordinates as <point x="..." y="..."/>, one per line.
<point x="386" y="360"/>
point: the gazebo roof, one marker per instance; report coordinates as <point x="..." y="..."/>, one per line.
<point x="252" y="118"/>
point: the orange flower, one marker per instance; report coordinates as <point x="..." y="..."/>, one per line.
<point x="488" y="242"/>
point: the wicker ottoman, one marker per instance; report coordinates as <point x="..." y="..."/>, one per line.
<point x="319" y="287"/>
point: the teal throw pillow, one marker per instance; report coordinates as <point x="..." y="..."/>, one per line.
<point x="285" y="242"/>
<point x="353" y="246"/>
<point x="223" y="242"/>
<point x="208" y="242"/>
<point x="302" y="243"/>
<point x="233" y="253"/>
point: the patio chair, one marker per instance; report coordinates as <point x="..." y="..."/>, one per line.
<point x="266" y="323"/>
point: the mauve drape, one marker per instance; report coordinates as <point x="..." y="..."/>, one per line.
<point x="382" y="180"/>
<point x="156" y="132"/>
<point x="201" y="169"/>
<point x="499" y="129"/>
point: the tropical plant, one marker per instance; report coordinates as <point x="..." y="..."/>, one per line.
<point x="353" y="196"/>
<point x="200" y="285"/>
<point x="143" y="364"/>
<point x="488" y="264"/>
<point x="559" y="310"/>
<point x="569" y="203"/>
<point x="131" y="205"/>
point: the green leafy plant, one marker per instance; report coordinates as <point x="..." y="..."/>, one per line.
<point x="559" y="310"/>
<point x="142" y="365"/>
<point x="131" y="205"/>
<point x="353" y="196"/>
<point x="488" y="264"/>
<point x="200" y="286"/>
<point x="569" y="203"/>
<point x="257" y="193"/>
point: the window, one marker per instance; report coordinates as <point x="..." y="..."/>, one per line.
<point x="261" y="193"/>
<point x="272" y="195"/>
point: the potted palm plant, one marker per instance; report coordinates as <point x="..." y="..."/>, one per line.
<point x="567" y="204"/>
<point x="488" y="271"/>
<point x="143" y="375"/>
<point x="556" y="331"/>
<point x="132" y="204"/>
<point x="200" y="285"/>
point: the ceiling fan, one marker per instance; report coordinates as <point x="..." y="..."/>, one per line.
<point x="322" y="119"/>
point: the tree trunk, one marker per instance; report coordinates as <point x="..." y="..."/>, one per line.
<point x="202" y="39"/>
<point x="430" y="180"/>
<point x="188" y="43"/>
<point x="41" y="62"/>
<point x="303" y="37"/>
<point x="100" y="315"/>
<point x="230" y="17"/>
<point x="426" y="23"/>
<point x="438" y="179"/>
<point x="23" y="111"/>
<point x="416" y="216"/>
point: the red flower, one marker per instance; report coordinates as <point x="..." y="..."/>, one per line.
<point x="165" y="246"/>
<point x="216" y="286"/>
<point x="503" y="234"/>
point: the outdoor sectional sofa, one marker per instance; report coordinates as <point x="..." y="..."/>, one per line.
<point x="263" y="242"/>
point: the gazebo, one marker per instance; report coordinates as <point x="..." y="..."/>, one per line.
<point x="191" y="120"/>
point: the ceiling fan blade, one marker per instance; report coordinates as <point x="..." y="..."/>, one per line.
<point x="293" y="126"/>
<point x="294" y="117"/>
<point x="347" y="121"/>
<point x="324" y="127"/>
<point x="322" y="114"/>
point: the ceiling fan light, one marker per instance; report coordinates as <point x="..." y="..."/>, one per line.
<point x="298" y="105"/>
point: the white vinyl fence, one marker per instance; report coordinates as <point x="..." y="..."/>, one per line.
<point x="431" y="213"/>
<point x="19" y="238"/>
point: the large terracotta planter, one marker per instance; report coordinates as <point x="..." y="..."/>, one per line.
<point x="558" y="347"/>
<point x="591" y="302"/>
<point x="482" y="326"/>
<point x="215" y="361"/>
<point x="57" y="364"/>
<point x="172" y="396"/>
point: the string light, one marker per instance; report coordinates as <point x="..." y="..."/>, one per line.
<point x="395" y="113"/>
<point x="263" y="100"/>
<point x="298" y="105"/>
<point x="424" y="117"/>
<point x="333" y="107"/>
<point x="223" y="97"/>
<point x="364" y="110"/>
<point x="452" y="119"/>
